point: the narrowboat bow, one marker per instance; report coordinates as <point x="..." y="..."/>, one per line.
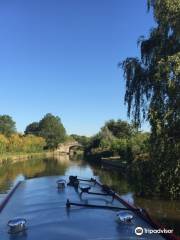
<point x="71" y="208"/>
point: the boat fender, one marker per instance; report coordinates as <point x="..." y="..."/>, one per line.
<point x="61" y="183"/>
<point x="17" y="225"/>
<point x="85" y="189"/>
<point x="124" y="217"/>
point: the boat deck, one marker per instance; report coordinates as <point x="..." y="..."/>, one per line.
<point x="43" y="205"/>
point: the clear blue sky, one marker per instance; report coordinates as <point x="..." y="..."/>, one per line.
<point x="61" y="56"/>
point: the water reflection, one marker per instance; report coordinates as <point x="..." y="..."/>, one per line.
<point x="59" y="165"/>
<point x="166" y="212"/>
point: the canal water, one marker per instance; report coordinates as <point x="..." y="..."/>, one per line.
<point x="164" y="211"/>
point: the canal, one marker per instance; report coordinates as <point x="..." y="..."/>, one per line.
<point x="165" y="211"/>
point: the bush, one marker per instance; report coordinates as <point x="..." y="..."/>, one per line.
<point x="120" y="138"/>
<point x="19" y="143"/>
<point x="139" y="144"/>
<point x="15" y="143"/>
<point x="3" y="143"/>
<point x="33" y="143"/>
<point x="120" y="146"/>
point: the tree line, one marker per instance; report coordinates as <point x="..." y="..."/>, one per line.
<point x="117" y="138"/>
<point x="153" y="94"/>
<point x="38" y="136"/>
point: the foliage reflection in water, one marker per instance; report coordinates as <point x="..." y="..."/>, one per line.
<point x="162" y="210"/>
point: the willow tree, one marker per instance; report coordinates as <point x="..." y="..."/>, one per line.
<point x="153" y="93"/>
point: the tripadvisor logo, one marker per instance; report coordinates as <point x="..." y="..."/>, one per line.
<point x="139" y="231"/>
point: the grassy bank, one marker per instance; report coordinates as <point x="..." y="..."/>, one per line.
<point x="15" y="157"/>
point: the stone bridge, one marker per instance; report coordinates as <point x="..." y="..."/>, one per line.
<point x="66" y="147"/>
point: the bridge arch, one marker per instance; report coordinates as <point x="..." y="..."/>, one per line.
<point x="66" y="147"/>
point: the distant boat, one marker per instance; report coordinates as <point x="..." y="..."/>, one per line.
<point x="111" y="158"/>
<point x="72" y="208"/>
<point x="113" y="163"/>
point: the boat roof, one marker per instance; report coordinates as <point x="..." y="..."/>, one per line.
<point x="43" y="205"/>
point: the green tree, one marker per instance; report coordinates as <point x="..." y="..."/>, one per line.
<point x="153" y="93"/>
<point x="84" y="140"/>
<point x="139" y="144"/>
<point x="32" y="128"/>
<point x="51" y="128"/>
<point x="120" y="128"/>
<point x="106" y="137"/>
<point x="7" y="125"/>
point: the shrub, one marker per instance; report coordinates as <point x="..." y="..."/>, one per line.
<point x="3" y="143"/>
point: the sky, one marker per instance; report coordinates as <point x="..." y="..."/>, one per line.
<point x="61" y="57"/>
